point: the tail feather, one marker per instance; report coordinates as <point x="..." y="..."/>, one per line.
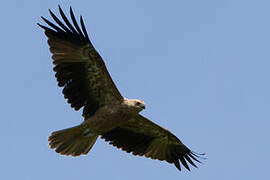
<point x="73" y="141"/>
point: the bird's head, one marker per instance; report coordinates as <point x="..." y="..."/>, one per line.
<point x="135" y="104"/>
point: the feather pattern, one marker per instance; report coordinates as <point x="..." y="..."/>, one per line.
<point x="144" y="138"/>
<point x="78" y="66"/>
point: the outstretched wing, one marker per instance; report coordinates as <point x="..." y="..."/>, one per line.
<point x="143" y="137"/>
<point x="78" y="66"/>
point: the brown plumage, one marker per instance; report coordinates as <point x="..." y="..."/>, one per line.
<point x="87" y="84"/>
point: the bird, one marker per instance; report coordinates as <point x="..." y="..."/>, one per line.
<point x="87" y="84"/>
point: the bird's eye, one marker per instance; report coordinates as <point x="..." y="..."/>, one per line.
<point x="138" y="103"/>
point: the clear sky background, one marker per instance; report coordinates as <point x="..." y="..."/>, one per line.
<point x="202" y="67"/>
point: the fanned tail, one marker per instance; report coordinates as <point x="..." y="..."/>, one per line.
<point x="73" y="141"/>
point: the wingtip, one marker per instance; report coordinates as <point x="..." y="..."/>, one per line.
<point x="60" y="9"/>
<point x="51" y="13"/>
<point x="177" y="165"/>
<point x="39" y="25"/>
<point x="43" y="18"/>
<point x="70" y="9"/>
<point x="196" y="156"/>
<point x="199" y="155"/>
<point x="183" y="161"/>
<point x="71" y="12"/>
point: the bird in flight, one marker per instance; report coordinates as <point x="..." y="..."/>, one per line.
<point x="87" y="84"/>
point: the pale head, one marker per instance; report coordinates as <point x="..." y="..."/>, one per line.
<point x="134" y="104"/>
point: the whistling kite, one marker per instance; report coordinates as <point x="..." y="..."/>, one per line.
<point x="87" y="83"/>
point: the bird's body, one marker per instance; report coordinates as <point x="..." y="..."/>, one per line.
<point x="108" y="117"/>
<point x="87" y="84"/>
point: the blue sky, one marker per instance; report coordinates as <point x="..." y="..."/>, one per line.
<point x="202" y="67"/>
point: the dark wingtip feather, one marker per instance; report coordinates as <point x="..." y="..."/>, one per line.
<point x="190" y="161"/>
<point x="43" y="27"/>
<point x="184" y="156"/>
<point x="199" y="155"/>
<point x="184" y="163"/>
<point x="59" y="22"/>
<point x="70" y="9"/>
<point x="84" y="29"/>
<point x="51" y="13"/>
<point x="177" y="165"/>
<point x="195" y="156"/>
<point x="66" y="20"/>
<point x="75" y="22"/>
<point x="51" y="24"/>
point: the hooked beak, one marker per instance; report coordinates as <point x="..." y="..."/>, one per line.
<point x="142" y="106"/>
